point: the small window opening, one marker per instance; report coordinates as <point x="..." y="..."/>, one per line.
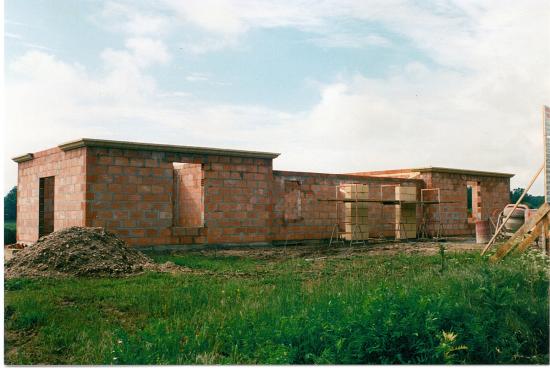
<point x="46" y="202"/>
<point x="469" y="199"/>
<point x="473" y="200"/>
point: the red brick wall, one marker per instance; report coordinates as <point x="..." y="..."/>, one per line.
<point x="238" y="199"/>
<point x="317" y="218"/>
<point x="69" y="170"/>
<point x="188" y="195"/>
<point x="494" y="195"/>
<point x="132" y="193"/>
<point x="292" y="201"/>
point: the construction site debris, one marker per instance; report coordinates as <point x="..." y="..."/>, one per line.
<point x="81" y="252"/>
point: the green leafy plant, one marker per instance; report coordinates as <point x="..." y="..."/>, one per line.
<point x="448" y="347"/>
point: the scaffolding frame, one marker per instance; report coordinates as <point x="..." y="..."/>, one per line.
<point x="422" y="230"/>
<point x="438" y="228"/>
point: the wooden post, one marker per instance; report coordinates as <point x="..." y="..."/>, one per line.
<point x="545" y="237"/>
<point x="546" y="141"/>
<point x="535" y="233"/>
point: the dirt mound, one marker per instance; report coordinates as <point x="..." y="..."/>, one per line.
<point x="78" y="251"/>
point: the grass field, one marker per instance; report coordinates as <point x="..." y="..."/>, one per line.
<point x="357" y="309"/>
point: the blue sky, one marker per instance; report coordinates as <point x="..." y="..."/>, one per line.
<point x="335" y="86"/>
<point x="277" y="67"/>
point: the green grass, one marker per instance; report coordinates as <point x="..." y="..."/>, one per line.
<point x="365" y="309"/>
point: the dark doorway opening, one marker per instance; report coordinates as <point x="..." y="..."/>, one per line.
<point x="46" y="205"/>
<point x="469" y="199"/>
<point x="473" y="201"/>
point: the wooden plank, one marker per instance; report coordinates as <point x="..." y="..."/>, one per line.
<point x="525" y="243"/>
<point x="518" y="235"/>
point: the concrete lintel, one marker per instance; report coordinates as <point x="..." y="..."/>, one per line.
<point x="23" y="158"/>
<point x="102" y="143"/>
<point x="461" y="171"/>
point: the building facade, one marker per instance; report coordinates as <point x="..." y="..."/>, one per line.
<point x="152" y="194"/>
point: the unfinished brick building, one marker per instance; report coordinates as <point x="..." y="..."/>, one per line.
<point x="152" y="194"/>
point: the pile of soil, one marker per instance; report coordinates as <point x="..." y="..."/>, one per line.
<point x="79" y="251"/>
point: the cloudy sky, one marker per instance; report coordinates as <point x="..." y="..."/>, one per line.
<point x="335" y="86"/>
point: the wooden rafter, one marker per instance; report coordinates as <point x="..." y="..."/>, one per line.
<point x="525" y="243"/>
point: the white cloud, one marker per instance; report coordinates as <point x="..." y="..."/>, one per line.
<point x="483" y="97"/>
<point x="19" y="39"/>
<point x="198" y="77"/>
<point x="351" y="40"/>
<point x="206" y="78"/>
<point x="147" y="51"/>
<point x="237" y="17"/>
<point x="127" y="18"/>
<point x="479" y="108"/>
<point x="202" y="45"/>
<point x="14" y="36"/>
<point x="227" y="20"/>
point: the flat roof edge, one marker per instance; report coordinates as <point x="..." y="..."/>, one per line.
<point x="102" y="143"/>
<point x="23" y="158"/>
<point x="341" y="175"/>
<point x="461" y="171"/>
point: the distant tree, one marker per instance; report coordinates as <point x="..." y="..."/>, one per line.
<point x="529" y="200"/>
<point x="10" y="205"/>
